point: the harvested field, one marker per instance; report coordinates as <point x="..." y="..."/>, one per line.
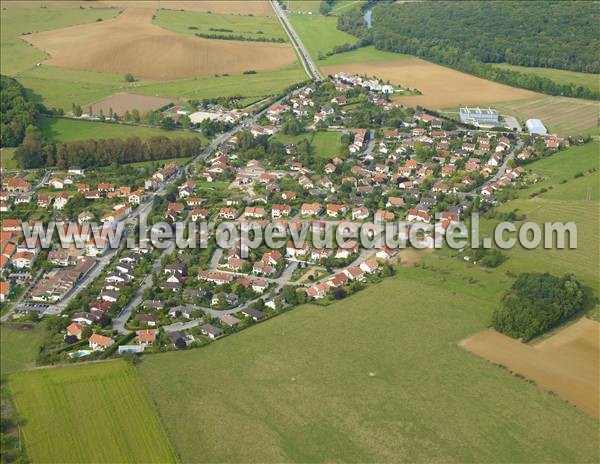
<point x="566" y="363"/>
<point x="561" y="115"/>
<point x="441" y="87"/>
<point x="130" y="43"/>
<point x="121" y="102"/>
<point x="243" y="7"/>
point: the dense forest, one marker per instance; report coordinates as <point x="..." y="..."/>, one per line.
<point x="17" y="112"/>
<point x="469" y="36"/>
<point x="34" y="152"/>
<point x="538" y="302"/>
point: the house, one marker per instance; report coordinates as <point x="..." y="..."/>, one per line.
<point x="218" y="278"/>
<point x="310" y="209"/>
<point x="418" y="215"/>
<point x="278" y="211"/>
<point x="178" y="339"/>
<point x="61" y="200"/>
<point x="394" y="202"/>
<point x="334" y="210"/>
<point x="23" y="259"/>
<point x="354" y="273"/>
<point x="211" y="331"/>
<point x="259" y="285"/>
<point x="56" y="183"/>
<point x="229" y="320"/>
<point x="255" y="314"/>
<point x="4" y="290"/>
<point x="227" y="213"/>
<point x="384" y="216"/>
<point x="385" y="253"/>
<point x="369" y="266"/>
<point x="100" y="342"/>
<point x="75" y="330"/>
<point x="146" y="336"/>
<point x="147" y="319"/>
<point x="361" y="213"/>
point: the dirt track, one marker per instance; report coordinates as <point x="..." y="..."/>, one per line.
<point x="441" y="87"/>
<point x="130" y="43"/>
<point x="567" y="363"/>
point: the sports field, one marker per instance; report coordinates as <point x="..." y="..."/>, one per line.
<point x="93" y="413"/>
<point x="559" y="76"/>
<point x="561" y="115"/>
<point x="66" y="130"/>
<point x="375" y="378"/>
<point x="151" y="52"/>
<point x="567" y="363"/>
<point x="192" y="22"/>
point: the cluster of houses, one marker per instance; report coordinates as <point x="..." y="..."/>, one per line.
<point x="373" y="85"/>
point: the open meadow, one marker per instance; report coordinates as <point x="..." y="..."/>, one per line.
<point x="60" y="88"/>
<point x="93" y="413"/>
<point x="568" y="198"/>
<point x="567" y="363"/>
<point x="326" y="145"/>
<point x="19" y="346"/>
<point x="151" y="52"/>
<point x="67" y="130"/>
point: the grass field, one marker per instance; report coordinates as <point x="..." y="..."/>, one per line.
<point x="60" y="88"/>
<point x="131" y="43"/>
<point x="319" y="33"/>
<point x="7" y="160"/>
<point x="19" y="346"/>
<point x="561" y="115"/>
<point x="93" y="413"/>
<point x="576" y="200"/>
<point x="559" y="76"/>
<point x="375" y="378"/>
<point x="66" y="130"/>
<point x="251" y="27"/>
<point x="16" y="54"/>
<point x="325" y="144"/>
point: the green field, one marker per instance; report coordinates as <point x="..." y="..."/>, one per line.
<point x="6" y="158"/>
<point x="19" y="346"/>
<point x="66" y="130"/>
<point x="93" y="413"/>
<point x="561" y="115"/>
<point x="559" y="76"/>
<point x="251" y="27"/>
<point x="576" y="200"/>
<point x="325" y="144"/>
<point x="17" y="55"/>
<point x="60" y="87"/>
<point x="319" y="33"/>
<point x="375" y="378"/>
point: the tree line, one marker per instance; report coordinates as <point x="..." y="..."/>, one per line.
<point x="17" y="112"/>
<point x="35" y="152"/>
<point x="471" y="36"/>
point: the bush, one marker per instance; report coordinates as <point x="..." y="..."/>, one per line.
<point x="538" y="302"/>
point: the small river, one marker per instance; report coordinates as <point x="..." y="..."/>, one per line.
<point x="367" y="17"/>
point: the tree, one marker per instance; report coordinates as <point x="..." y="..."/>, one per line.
<point x="30" y="153"/>
<point x="167" y="123"/>
<point x="129" y="77"/>
<point x="538" y="302"/>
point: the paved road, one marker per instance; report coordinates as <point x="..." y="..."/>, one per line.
<point x="309" y="65"/>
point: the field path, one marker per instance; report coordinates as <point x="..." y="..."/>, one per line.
<point x="131" y="43"/>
